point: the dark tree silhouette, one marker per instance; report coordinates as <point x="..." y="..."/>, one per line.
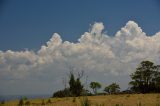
<point x="146" y="78"/>
<point x="112" y="88"/>
<point x="95" y="86"/>
<point x="76" y="87"/>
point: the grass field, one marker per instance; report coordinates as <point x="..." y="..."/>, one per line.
<point x="107" y="100"/>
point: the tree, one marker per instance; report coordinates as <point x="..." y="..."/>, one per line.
<point x="95" y="86"/>
<point x="76" y="87"/>
<point x="156" y="79"/>
<point x="72" y="83"/>
<point x="62" y="93"/>
<point x="107" y="89"/>
<point x="146" y="78"/>
<point x="112" y="88"/>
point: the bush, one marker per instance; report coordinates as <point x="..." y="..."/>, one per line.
<point x="62" y="93"/>
<point x="24" y="98"/>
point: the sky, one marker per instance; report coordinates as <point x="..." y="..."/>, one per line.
<point x="41" y="40"/>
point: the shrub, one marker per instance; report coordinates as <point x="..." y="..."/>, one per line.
<point x="62" y="93"/>
<point x="24" y="98"/>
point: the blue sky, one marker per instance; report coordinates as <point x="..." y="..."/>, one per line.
<point x="30" y="23"/>
<point x="34" y="58"/>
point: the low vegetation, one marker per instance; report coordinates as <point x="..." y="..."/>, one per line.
<point x="146" y="79"/>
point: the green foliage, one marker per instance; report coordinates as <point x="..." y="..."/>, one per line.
<point x="146" y="78"/>
<point x="95" y="86"/>
<point x="24" y="98"/>
<point x="62" y="93"/>
<point x="23" y="103"/>
<point x="85" y="102"/>
<point x="76" y="87"/>
<point x="72" y="83"/>
<point x="112" y="88"/>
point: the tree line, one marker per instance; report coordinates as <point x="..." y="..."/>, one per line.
<point x="145" y="79"/>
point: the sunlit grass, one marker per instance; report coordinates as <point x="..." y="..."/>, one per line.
<point x="108" y="100"/>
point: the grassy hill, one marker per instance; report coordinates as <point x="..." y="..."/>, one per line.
<point x="107" y="100"/>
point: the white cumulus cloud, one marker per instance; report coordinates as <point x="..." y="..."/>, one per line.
<point x="95" y="52"/>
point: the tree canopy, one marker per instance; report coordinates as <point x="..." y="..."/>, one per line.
<point x="95" y="86"/>
<point x="76" y="87"/>
<point x="146" y="78"/>
<point x="112" y="88"/>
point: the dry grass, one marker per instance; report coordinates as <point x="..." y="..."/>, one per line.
<point x="108" y="100"/>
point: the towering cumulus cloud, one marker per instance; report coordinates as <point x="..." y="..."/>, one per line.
<point x="95" y="52"/>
